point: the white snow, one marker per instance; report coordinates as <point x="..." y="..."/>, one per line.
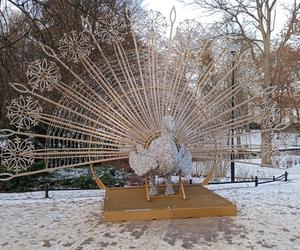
<point x="281" y="140"/>
<point x="268" y="216"/>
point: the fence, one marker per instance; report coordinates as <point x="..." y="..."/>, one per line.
<point x="256" y="180"/>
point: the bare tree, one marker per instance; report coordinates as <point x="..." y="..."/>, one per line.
<point x="253" y="22"/>
<point x="286" y="74"/>
<point x="24" y="22"/>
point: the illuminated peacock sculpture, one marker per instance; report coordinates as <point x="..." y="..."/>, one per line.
<point x="157" y="104"/>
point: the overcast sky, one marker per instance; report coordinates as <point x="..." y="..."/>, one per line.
<point x="192" y="12"/>
<point x="185" y="11"/>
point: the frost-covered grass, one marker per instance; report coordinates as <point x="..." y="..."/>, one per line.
<point x="268" y="217"/>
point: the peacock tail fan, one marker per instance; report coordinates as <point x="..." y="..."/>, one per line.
<point x="118" y="99"/>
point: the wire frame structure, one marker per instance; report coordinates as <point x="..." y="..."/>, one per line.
<point x="120" y="101"/>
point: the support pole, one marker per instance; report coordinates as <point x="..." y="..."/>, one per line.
<point x="285" y="175"/>
<point x="232" y="156"/>
<point x="147" y="188"/>
<point x="46" y="191"/>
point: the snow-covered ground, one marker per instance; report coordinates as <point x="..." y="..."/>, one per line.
<point x="268" y="217"/>
<point x="282" y="141"/>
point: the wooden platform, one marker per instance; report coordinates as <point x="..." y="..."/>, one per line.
<point x="124" y="204"/>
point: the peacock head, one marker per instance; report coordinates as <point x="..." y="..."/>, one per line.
<point x="168" y="123"/>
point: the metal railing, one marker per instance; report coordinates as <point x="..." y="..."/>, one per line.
<point x="256" y="180"/>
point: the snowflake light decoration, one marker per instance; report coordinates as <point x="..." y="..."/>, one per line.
<point x="42" y="74"/>
<point x="153" y="24"/>
<point x="23" y="112"/>
<point x="111" y="29"/>
<point x="189" y="28"/>
<point x="270" y="115"/>
<point x="75" y="45"/>
<point x="16" y="155"/>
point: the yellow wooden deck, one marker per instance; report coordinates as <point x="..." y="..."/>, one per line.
<point x="124" y="204"/>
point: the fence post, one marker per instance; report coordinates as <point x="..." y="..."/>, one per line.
<point x="256" y="181"/>
<point x="191" y="181"/>
<point x="273" y="178"/>
<point x="46" y="191"/>
<point x="285" y="175"/>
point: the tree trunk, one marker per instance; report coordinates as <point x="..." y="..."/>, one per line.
<point x="266" y="141"/>
<point x="239" y="143"/>
<point x="266" y="148"/>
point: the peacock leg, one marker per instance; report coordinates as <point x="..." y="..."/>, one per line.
<point x="152" y="187"/>
<point x="169" y="188"/>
